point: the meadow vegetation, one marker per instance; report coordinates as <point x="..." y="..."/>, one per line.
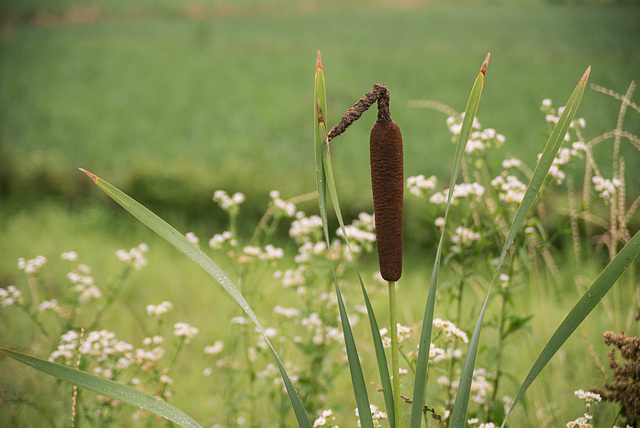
<point x="202" y="119"/>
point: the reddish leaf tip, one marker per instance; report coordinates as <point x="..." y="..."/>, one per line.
<point x="90" y="175"/>
<point x="585" y="76"/>
<point x="318" y="62"/>
<point x="485" y="64"/>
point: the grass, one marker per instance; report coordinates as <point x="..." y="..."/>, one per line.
<point x="183" y="285"/>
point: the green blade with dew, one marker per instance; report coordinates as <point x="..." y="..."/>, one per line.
<point x="551" y="148"/>
<point x="582" y="308"/>
<point x="192" y="251"/>
<point x="324" y="173"/>
<point x="106" y="387"/>
<point x="422" y="363"/>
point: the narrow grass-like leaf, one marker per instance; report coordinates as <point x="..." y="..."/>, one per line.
<point x="582" y="308"/>
<point x="422" y="363"/>
<point x="106" y="387"/>
<point x="551" y="148"/>
<point x="320" y="106"/>
<point x="324" y="178"/>
<point x="179" y="241"/>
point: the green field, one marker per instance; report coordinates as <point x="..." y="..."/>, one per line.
<point x="170" y="102"/>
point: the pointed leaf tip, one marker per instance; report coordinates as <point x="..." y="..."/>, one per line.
<point x="585" y="76"/>
<point x="318" y="61"/>
<point x="90" y="175"/>
<point x="485" y="64"/>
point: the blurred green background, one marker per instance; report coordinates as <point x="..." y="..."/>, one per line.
<point x="172" y="100"/>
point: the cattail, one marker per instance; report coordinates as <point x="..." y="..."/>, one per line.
<point x="387" y="183"/>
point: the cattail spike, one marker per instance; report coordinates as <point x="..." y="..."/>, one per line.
<point x="387" y="183"/>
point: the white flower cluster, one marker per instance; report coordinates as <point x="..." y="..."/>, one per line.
<point x="287" y="312"/>
<point x="66" y="348"/>
<point x="111" y="353"/>
<point x="460" y="191"/>
<point x="588" y="397"/>
<point x="292" y="277"/>
<point x="214" y="349"/>
<point x="440" y="354"/>
<point x="219" y="239"/>
<point x="511" y="189"/>
<point x="326" y="418"/>
<point x="159" y="310"/>
<point x="84" y="284"/>
<point x="287" y="208"/>
<point x="228" y="203"/>
<point x="322" y="334"/>
<point x="33" y="266"/>
<point x="464" y="236"/>
<point x="240" y="321"/>
<point x="504" y="281"/>
<point x="10" y="296"/>
<point x="552" y="115"/>
<point x="581" y="422"/>
<point x="474" y="421"/>
<point x="134" y="257"/>
<point x="103" y="344"/>
<point x="480" y="139"/>
<point x="376" y="414"/>
<point x="182" y="329"/>
<point x="511" y="163"/>
<point x="250" y="253"/>
<point x="450" y="331"/>
<point x="52" y="305"/>
<point x="606" y="187"/>
<point x="304" y="229"/>
<point x="481" y="387"/>
<point x="191" y="237"/>
<point x="71" y="256"/>
<point x="455" y="124"/>
<point x="418" y="184"/>
<point x="361" y="231"/>
<point x="403" y="331"/>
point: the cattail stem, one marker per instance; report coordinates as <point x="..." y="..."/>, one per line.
<point x="395" y="352"/>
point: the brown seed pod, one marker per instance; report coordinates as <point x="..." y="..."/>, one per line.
<point x="387" y="183"/>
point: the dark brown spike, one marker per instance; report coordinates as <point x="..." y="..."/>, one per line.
<point x="387" y="183"/>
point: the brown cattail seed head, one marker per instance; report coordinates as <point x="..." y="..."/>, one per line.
<point x="387" y="183"/>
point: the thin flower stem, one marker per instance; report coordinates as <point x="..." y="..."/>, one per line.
<point x="111" y="298"/>
<point x="394" y="352"/>
<point x="34" y="317"/>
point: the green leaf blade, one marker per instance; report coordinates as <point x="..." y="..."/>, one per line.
<point x="596" y="292"/>
<point x="181" y="243"/>
<point x="106" y="387"/>
<point x="422" y="364"/>
<point x="458" y="417"/>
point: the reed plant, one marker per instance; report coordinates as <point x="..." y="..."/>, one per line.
<point x="498" y="228"/>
